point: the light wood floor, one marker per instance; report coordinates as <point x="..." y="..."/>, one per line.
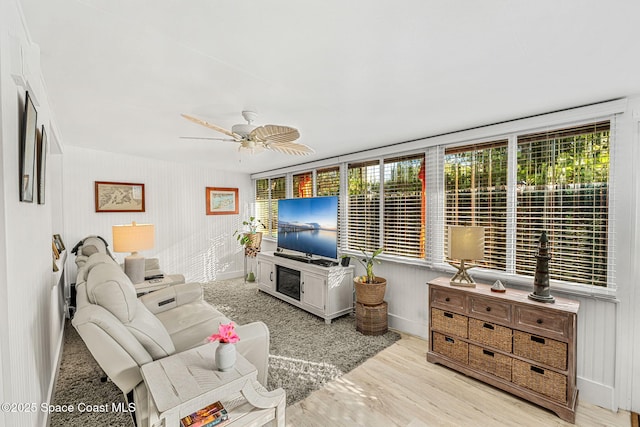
<point x="398" y="387"/>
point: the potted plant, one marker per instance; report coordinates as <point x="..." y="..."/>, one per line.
<point x="369" y="288"/>
<point x="251" y="238"/>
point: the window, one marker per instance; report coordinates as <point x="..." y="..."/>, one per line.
<point x="363" y="210"/>
<point x="516" y="186"/>
<point x="562" y="189"/>
<point x="404" y="210"/>
<point x="476" y="194"/>
<point x="303" y="185"/>
<point x="268" y="192"/>
<point x="328" y="181"/>
<point x="397" y="225"/>
<point x="559" y="185"/>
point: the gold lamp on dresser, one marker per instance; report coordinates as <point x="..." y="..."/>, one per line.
<point x="466" y="244"/>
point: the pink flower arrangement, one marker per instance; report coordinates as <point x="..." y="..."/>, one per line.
<point x="226" y="334"/>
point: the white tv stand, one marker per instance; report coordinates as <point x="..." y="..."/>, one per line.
<point x="326" y="292"/>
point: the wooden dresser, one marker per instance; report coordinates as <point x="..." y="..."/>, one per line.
<point x="524" y="347"/>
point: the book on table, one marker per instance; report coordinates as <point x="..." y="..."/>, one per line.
<point x="209" y="416"/>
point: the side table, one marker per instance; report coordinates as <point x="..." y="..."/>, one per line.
<point x="160" y="283"/>
<point x="181" y="384"/>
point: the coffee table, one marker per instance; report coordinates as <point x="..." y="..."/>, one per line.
<point x="182" y="383"/>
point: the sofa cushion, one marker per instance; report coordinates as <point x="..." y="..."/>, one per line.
<point x="109" y="287"/>
<point x="189" y="325"/>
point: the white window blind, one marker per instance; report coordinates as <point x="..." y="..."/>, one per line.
<point x="268" y="192"/>
<point x="363" y="210"/>
<point x="476" y="194"/>
<point x="404" y="209"/>
<point x="562" y="188"/>
<point x="303" y="185"/>
<point x="328" y="181"/>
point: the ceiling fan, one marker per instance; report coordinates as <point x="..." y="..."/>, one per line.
<point x="257" y="138"/>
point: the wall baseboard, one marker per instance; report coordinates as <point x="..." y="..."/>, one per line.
<point x="409" y="326"/>
<point x="54" y="378"/>
<point x="596" y="393"/>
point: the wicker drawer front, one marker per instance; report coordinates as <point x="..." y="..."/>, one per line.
<point x="542" y="322"/>
<point x="490" y="334"/>
<point x="489" y="309"/>
<point x="451" y="347"/>
<point x="449" y="323"/>
<point x="544" y="350"/>
<point x="543" y="381"/>
<point x="488" y="361"/>
<point x="447" y="299"/>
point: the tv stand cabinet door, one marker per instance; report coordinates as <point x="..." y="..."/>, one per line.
<point x="312" y="291"/>
<point x="266" y="275"/>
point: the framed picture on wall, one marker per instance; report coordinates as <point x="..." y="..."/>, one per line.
<point x="28" y="150"/>
<point x="42" y="164"/>
<point x="222" y="201"/>
<point x="119" y="197"/>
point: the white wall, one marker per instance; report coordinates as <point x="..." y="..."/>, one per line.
<point x="187" y="241"/>
<point x="30" y="319"/>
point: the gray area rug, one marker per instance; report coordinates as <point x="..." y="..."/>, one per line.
<point x="305" y="353"/>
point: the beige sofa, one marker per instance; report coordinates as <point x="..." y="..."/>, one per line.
<point x="124" y="332"/>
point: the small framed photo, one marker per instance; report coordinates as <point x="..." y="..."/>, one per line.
<point x="119" y="197"/>
<point x="222" y="201"/>
<point x="57" y="240"/>
<point x="56" y="252"/>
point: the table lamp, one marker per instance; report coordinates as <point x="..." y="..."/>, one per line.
<point x="466" y="243"/>
<point x="133" y="238"/>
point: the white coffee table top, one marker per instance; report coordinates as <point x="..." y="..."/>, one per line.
<point x="179" y="378"/>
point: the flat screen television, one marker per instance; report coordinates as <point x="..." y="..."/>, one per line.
<point x="309" y="225"/>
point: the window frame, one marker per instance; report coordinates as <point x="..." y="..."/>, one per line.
<point x="433" y="147"/>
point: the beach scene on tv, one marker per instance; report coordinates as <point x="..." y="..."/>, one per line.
<point x="309" y="225"/>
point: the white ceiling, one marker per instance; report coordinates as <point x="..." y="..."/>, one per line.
<point x="350" y="75"/>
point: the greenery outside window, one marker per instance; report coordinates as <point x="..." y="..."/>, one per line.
<point x="559" y="185"/>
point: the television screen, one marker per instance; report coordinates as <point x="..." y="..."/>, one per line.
<point x="309" y="225"/>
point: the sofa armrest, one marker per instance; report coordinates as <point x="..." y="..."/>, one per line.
<point x="254" y="346"/>
<point x="172" y="297"/>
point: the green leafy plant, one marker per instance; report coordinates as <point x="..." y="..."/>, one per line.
<point x="252" y="224"/>
<point x="367" y="262"/>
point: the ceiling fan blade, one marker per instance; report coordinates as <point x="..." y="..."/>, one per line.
<point x="290" y="148"/>
<point x="208" y="138"/>
<point x="212" y="126"/>
<point x="274" y="133"/>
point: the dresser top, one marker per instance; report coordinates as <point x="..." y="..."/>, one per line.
<point x="513" y="295"/>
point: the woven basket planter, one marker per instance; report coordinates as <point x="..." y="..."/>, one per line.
<point x="252" y="247"/>
<point x="370" y="293"/>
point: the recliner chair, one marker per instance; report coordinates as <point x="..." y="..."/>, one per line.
<point x="123" y="332"/>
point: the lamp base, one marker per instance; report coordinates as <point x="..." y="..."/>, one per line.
<point x="134" y="267"/>
<point x="462" y="278"/>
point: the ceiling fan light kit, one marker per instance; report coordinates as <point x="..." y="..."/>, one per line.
<point x="257" y="138"/>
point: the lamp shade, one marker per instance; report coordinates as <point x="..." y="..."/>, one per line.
<point x="466" y="242"/>
<point x="132" y="237"/>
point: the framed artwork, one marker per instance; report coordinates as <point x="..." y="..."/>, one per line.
<point x="42" y="164"/>
<point x="119" y="197"/>
<point x="28" y="150"/>
<point x="222" y="201"/>
<point x="57" y="240"/>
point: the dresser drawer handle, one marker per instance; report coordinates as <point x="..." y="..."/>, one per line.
<point x="537" y="339"/>
<point x="488" y="308"/>
<point x="537" y="370"/>
<point x="487" y="352"/>
<point x="539" y="321"/>
<point x="488" y="326"/>
<point x="449" y="315"/>
<point x="447" y="299"/>
<point x="451" y="340"/>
